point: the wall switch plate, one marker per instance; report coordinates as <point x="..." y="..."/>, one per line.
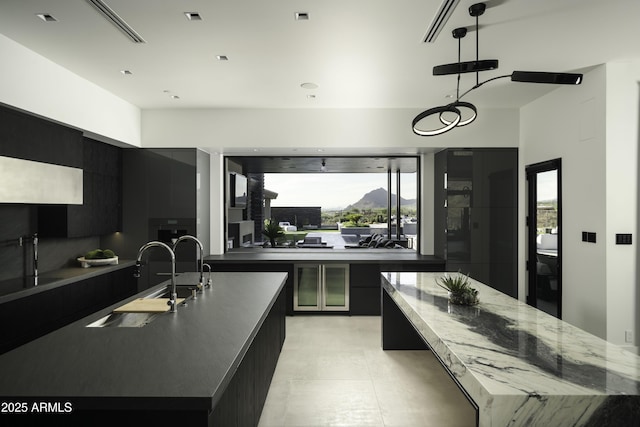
<point x="628" y="337"/>
<point x="623" y="239"/>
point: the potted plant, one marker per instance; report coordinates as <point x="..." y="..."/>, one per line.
<point x="460" y="292"/>
<point x="272" y="231"/>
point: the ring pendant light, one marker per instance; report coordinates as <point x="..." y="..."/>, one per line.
<point x="476" y="66"/>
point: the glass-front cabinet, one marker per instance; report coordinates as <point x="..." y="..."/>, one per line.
<point x="321" y="287"/>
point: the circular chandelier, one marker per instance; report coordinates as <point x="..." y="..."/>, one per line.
<point x="451" y="115"/>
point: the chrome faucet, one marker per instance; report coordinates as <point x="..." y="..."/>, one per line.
<point x="208" y="274"/>
<point x="199" y="243"/>
<point x="174" y="294"/>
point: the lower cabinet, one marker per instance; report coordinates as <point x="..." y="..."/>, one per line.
<point x="33" y="316"/>
<point x="321" y="287"/>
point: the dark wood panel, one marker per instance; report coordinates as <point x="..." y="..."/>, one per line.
<point x="101" y="210"/>
<point x="28" y="137"/>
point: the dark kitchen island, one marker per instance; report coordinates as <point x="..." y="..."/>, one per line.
<point x="210" y="363"/>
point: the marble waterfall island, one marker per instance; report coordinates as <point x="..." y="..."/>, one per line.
<point x="519" y="365"/>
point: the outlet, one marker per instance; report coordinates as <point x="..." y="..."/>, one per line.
<point x="628" y="336"/>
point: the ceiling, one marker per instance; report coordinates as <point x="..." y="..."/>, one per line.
<point x="359" y="53"/>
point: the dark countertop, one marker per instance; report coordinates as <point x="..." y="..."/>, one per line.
<point x="289" y="255"/>
<point x="21" y="287"/>
<point x="180" y="360"/>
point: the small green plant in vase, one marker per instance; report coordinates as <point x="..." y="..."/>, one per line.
<point x="460" y="292"/>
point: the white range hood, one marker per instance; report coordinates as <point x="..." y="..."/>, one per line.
<point x="26" y="181"/>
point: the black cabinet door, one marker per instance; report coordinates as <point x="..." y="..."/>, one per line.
<point x="31" y="138"/>
<point x="28" y="318"/>
<point x="100" y="212"/>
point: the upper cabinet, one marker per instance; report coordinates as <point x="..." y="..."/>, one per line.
<point x="30" y="138"/>
<point x="100" y="212"/>
<point x="476" y="214"/>
<point x="27" y="137"/>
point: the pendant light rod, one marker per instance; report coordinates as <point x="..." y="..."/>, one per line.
<point x="477" y="10"/>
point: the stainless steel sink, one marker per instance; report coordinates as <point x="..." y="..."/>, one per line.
<point x="124" y="320"/>
<point x="138" y="320"/>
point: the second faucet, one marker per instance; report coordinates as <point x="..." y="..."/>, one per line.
<point x="201" y="247"/>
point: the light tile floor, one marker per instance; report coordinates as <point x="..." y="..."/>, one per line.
<point x="333" y="372"/>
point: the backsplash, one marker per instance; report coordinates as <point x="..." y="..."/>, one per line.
<point x="53" y="253"/>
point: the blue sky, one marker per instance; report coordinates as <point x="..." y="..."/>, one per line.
<point x="331" y="191"/>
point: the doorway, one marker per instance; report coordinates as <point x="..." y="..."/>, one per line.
<point x="544" y="232"/>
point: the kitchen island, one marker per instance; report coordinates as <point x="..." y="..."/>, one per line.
<point x="518" y="365"/>
<point x="211" y="362"/>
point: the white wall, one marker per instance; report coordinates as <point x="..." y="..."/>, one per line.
<point x="217" y="225"/>
<point x="282" y="130"/>
<point x="599" y="193"/>
<point x="33" y="83"/>
<point x="622" y="116"/>
<point x="427" y="204"/>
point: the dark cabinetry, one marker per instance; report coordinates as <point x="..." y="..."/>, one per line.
<point x="165" y="195"/>
<point x="33" y="316"/>
<point x="30" y="138"/>
<point x="100" y="212"/>
<point x="476" y="214"/>
<point x="365" y="283"/>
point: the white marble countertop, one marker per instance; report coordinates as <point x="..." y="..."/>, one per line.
<point x="520" y="365"/>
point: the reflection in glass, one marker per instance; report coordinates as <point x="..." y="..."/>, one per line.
<point x="547" y="242"/>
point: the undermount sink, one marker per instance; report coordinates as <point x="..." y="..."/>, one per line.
<point x="137" y="319"/>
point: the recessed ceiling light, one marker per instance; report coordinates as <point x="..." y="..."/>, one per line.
<point x="302" y="16"/>
<point x="126" y="72"/>
<point x="222" y="57"/>
<point x="175" y="97"/>
<point x="46" y="17"/>
<point x="309" y="85"/>
<point x="193" y="16"/>
<point x="311" y="96"/>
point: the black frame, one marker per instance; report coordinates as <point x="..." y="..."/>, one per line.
<point x="531" y="170"/>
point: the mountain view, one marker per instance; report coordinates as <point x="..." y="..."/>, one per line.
<point x="378" y="199"/>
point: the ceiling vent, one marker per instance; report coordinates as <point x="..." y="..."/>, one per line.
<point x="113" y="17"/>
<point x="442" y="16"/>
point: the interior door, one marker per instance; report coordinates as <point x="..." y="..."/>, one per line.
<point x="544" y="236"/>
